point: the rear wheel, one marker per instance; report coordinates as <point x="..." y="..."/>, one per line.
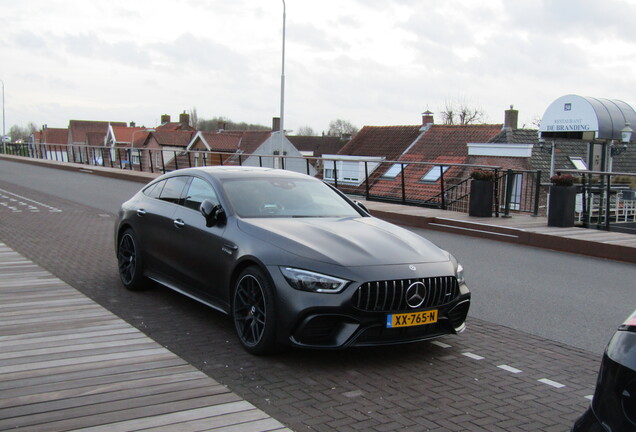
<point x="254" y="313"/>
<point x="130" y="262"/>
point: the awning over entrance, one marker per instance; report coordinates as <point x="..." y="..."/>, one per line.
<point x="586" y="118"/>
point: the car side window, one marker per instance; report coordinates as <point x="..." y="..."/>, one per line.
<point x="199" y="191"/>
<point x="154" y="190"/>
<point x="173" y="189"/>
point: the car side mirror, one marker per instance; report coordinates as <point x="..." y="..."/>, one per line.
<point x="213" y="213"/>
<point x="363" y="207"/>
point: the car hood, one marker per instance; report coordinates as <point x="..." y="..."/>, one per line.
<point x="349" y="242"/>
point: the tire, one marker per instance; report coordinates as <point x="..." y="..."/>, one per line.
<point x="129" y="262"/>
<point x="254" y="313"/>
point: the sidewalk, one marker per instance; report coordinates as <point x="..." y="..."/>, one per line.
<point x="69" y="364"/>
<point x="519" y="229"/>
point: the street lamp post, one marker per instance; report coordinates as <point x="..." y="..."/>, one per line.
<point x="4" y="145"/>
<point x="282" y="89"/>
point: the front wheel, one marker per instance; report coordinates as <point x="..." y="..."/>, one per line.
<point x="254" y="313"/>
<point x="129" y="261"/>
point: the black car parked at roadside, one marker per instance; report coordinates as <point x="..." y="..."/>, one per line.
<point x="292" y="260"/>
<point x="613" y="408"/>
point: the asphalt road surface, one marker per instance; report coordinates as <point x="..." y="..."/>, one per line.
<point x="527" y="361"/>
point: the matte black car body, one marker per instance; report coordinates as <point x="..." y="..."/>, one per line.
<point x="211" y="253"/>
<point x="613" y="408"/>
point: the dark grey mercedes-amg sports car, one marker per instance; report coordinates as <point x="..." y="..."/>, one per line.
<point x="292" y="260"/>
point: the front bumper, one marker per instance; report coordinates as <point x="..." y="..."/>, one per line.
<point x="333" y="321"/>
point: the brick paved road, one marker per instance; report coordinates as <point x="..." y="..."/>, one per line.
<point x="487" y="379"/>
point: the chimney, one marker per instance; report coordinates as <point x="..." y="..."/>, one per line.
<point x="221" y="125"/>
<point x="427" y="118"/>
<point x="184" y="119"/>
<point x="275" y="124"/>
<point x="132" y="124"/>
<point x="511" y="118"/>
<point x="165" y="119"/>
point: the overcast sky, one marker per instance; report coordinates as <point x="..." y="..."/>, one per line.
<point x="371" y="62"/>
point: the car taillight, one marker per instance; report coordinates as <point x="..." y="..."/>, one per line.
<point x="630" y="323"/>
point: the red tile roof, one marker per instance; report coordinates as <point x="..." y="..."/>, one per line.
<point x="387" y="141"/>
<point x="174" y="126"/>
<point x="441" y="144"/>
<point x="95" y="139"/>
<point x="79" y="128"/>
<point x="173" y="138"/>
<point x="124" y="134"/>
<point x="54" y="136"/>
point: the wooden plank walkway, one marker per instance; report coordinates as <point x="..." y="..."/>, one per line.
<point x="68" y="364"/>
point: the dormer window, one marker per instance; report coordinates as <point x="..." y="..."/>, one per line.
<point x="434" y="174"/>
<point x="394" y="171"/>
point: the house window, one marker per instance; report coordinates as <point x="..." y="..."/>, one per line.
<point x="328" y="174"/>
<point x="394" y="171"/>
<point x="434" y="174"/>
<point x="578" y="163"/>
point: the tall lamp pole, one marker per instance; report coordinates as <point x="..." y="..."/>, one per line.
<point x="282" y="89"/>
<point x="4" y="145"/>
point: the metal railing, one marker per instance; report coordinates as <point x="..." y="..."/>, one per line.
<point x="435" y="185"/>
<point x="606" y="200"/>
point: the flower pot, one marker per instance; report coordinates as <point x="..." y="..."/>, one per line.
<point x="561" y="206"/>
<point x="481" y="197"/>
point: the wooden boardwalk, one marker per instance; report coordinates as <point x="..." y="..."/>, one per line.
<point x="68" y="364"/>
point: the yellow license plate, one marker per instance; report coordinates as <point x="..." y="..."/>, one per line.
<point x="411" y="319"/>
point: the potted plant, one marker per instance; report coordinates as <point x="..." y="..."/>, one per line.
<point x="562" y="201"/>
<point x="481" y="193"/>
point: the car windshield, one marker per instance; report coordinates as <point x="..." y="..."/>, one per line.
<point x="283" y="197"/>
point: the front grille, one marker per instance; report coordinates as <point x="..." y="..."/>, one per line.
<point x="390" y="296"/>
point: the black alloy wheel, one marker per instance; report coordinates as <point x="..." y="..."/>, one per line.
<point x="129" y="261"/>
<point x="253" y="312"/>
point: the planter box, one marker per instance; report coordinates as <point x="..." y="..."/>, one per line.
<point x="481" y="198"/>
<point x="561" y="206"/>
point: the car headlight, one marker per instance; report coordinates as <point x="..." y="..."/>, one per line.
<point x="310" y="281"/>
<point x="459" y="274"/>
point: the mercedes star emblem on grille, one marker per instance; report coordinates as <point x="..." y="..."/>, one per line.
<point x="415" y="294"/>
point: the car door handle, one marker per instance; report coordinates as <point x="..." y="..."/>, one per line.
<point x="141" y="212"/>
<point x="178" y="223"/>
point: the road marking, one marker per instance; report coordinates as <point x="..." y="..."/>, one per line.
<point x="473" y="356"/>
<point x="551" y="383"/>
<point x="510" y="369"/>
<point x="31" y="208"/>
<point x="441" y="344"/>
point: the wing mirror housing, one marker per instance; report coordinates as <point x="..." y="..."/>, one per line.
<point x="213" y="213"/>
<point x="363" y="207"/>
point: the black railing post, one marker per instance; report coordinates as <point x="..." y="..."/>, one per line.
<point x="496" y="185"/>
<point x="608" y="202"/>
<point x="585" y="202"/>
<point x="176" y="162"/>
<point x="441" y="185"/>
<point x="163" y="163"/>
<point x="189" y="159"/>
<point x="307" y="166"/>
<point x="366" y="178"/>
<point x="152" y="165"/>
<point x="537" y="193"/>
<point x="260" y="161"/>
<point x="509" y="185"/>
<point x="335" y="174"/>
<point x="403" y="183"/>
<point x="141" y="160"/>
<point x="240" y="160"/>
